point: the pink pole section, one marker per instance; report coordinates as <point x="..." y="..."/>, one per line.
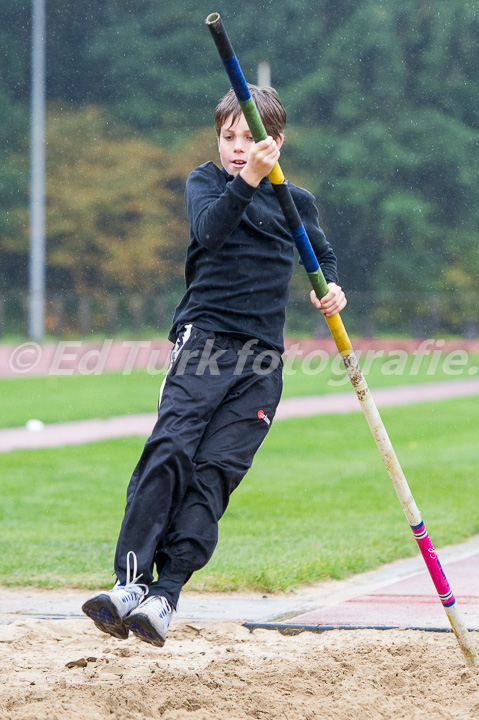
<point x="434" y="566"/>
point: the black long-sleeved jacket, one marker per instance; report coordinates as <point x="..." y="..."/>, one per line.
<point x="241" y="256"/>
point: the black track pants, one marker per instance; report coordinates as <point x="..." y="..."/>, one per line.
<point x="216" y="405"/>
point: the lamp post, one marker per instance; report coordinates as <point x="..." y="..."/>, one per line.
<point x="264" y="73"/>
<point x="36" y="309"/>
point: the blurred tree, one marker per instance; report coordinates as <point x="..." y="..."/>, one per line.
<point x="110" y="222"/>
<point x="396" y="149"/>
<point x="74" y="74"/>
<point x="15" y="24"/>
<point x="383" y="128"/>
<point x="13" y="189"/>
<point x="69" y="77"/>
<point x="161" y="68"/>
<point x="115" y="210"/>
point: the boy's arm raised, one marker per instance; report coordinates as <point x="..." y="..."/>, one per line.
<point x="214" y="212"/>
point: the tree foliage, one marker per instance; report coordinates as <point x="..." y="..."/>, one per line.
<point x="395" y="143"/>
<point x="115" y="212"/>
<point x="383" y="128"/>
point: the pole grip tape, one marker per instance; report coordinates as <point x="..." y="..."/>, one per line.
<point x="276" y="176"/>
<point x="253" y="118"/>
<point x="305" y="249"/>
<point x="339" y="334"/>
<point x="296" y="228"/>
<point x="237" y="79"/>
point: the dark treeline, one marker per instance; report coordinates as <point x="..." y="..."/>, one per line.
<point x="383" y="128"/>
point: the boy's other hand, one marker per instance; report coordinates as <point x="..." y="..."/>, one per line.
<point x="331" y="303"/>
<point x="262" y="158"/>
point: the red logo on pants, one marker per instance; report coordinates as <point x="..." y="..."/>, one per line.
<point x="262" y="416"/>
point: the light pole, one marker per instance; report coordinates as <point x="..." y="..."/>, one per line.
<point x="264" y="73"/>
<point x="36" y="309"/>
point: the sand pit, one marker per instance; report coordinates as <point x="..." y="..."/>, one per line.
<point x="67" y="670"/>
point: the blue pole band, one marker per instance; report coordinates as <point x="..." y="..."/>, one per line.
<point x="305" y="249"/>
<point x="237" y="78"/>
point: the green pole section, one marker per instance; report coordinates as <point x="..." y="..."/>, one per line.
<point x="255" y="124"/>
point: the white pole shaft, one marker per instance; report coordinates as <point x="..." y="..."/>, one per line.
<point x="36" y="316"/>
<point x="382" y="440"/>
<point x="410" y="508"/>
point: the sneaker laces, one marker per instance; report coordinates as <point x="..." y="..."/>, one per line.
<point x="166" y="606"/>
<point x="132" y="577"/>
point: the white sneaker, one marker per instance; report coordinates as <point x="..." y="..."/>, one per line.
<point x="108" y="610"/>
<point x="151" y="620"/>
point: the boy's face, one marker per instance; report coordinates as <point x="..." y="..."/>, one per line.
<point x="234" y="143"/>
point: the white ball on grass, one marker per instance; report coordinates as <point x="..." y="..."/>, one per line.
<point x="34" y="425"/>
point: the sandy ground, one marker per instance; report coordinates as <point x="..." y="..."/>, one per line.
<point x="217" y="670"/>
<point x="67" y="670"/>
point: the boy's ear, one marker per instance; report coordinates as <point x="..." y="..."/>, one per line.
<point x="280" y="140"/>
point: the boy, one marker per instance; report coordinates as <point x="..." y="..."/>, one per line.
<point x="224" y="380"/>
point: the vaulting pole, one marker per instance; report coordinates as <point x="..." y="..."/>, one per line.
<point x="343" y="344"/>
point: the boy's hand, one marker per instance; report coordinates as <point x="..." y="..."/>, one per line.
<point x="262" y="158"/>
<point x="331" y="303"/>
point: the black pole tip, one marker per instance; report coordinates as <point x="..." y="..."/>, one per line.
<point x="218" y="33"/>
<point x="212" y="18"/>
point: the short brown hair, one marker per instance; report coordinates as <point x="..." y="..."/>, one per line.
<point x="269" y="106"/>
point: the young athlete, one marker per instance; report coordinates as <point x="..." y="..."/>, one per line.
<point x="224" y="381"/>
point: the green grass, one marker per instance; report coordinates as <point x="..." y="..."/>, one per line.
<point x="77" y="397"/>
<point x="64" y="398"/>
<point x="316" y="504"/>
